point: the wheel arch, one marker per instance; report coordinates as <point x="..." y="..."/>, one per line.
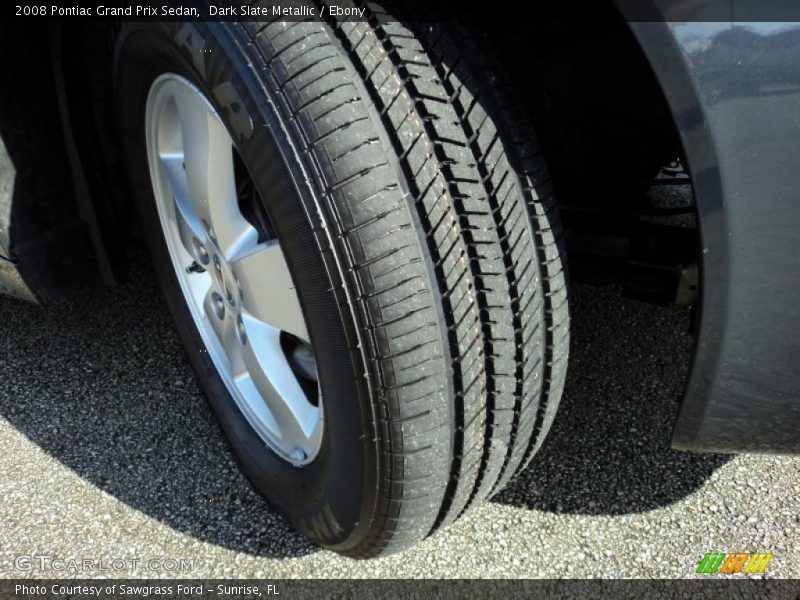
<point x="734" y="91"/>
<point x="673" y="74"/>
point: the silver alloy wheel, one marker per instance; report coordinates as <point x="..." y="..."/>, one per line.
<point x="238" y="287"/>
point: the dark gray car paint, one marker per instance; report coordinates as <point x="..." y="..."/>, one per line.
<point x="734" y="89"/>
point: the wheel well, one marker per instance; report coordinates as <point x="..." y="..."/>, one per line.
<point x="613" y="151"/>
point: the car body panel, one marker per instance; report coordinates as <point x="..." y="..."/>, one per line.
<point x="734" y="89"/>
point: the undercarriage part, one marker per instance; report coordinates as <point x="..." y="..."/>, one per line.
<point x="648" y="245"/>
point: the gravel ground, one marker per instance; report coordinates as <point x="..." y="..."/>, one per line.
<point x="108" y="450"/>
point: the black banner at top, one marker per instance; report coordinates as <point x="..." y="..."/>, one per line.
<point x="447" y="10"/>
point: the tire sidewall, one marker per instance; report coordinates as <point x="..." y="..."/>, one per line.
<point x="328" y="498"/>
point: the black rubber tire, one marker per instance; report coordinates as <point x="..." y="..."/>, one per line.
<point x="413" y="205"/>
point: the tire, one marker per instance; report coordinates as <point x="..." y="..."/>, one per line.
<point x="418" y="225"/>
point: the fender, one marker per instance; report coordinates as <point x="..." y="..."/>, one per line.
<point x="737" y="119"/>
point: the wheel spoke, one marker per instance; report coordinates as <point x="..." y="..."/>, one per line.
<point x="188" y="222"/>
<point x="199" y="285"/>
<point x="268" y="292"/>
<point x="210" y="180"/>
<point x="270" y="373"/>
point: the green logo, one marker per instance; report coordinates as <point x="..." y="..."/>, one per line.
<point x="738" y="562"/>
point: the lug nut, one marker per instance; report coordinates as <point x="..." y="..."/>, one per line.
<point x="219" y="305"/>
<point x="241" y="330"/>
<point x="200" y="251"/>
<point x="209" y="231"/>
<point x="218" y="267"/>
<point x="239" y="287"/>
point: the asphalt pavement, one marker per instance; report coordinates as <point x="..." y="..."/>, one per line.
<point x="109" y="452"/>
